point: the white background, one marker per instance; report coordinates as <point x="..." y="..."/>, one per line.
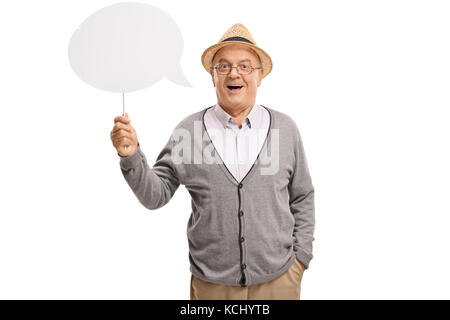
<point x="367" y="82"/>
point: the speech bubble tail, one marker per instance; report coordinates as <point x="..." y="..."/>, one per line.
<point x="177" y="76"/>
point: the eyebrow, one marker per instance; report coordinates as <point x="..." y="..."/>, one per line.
<point x="223" y="59"/>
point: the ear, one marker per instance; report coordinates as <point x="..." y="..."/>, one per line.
<point x="212" y="76"/>
<point x="260" y="76"/>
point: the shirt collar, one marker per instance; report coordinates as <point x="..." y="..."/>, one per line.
<point x="225" y="119"/>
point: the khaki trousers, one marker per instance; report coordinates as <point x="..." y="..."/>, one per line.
<point x="285" y="287"/>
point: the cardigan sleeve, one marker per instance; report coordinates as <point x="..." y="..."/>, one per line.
<point x="301" y="203"/>
<point x="155" y="186"/>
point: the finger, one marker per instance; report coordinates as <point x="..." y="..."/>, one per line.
<point x="117" y="137"/>
<point x="121" y="133"/>
<point x="122" y="119"/>
<point x="124" y="141"/>
<point x="120" y="126"/>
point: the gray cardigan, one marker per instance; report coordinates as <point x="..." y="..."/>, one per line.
<point x="239" y="233"/>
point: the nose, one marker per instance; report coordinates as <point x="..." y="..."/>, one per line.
<point x="233" y="72"/>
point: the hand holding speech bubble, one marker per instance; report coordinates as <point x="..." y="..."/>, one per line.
<point x="127" y="47"/>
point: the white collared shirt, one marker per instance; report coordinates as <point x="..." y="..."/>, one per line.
<point x="238" y="148"/>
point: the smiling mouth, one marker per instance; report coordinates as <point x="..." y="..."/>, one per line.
<point x="234" y="88"/>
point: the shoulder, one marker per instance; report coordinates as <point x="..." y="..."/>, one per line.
<point x="189" y="121"/>
<point x="283" y="120"/>
<point x="188" y="126"/>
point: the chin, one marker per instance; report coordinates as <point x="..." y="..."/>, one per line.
<point x="235" y="103"/>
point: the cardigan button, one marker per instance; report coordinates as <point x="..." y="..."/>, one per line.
<point x="240" y="186"/>
<point x="244" y="266"/>
<point x="241" y="213"/>
<point x="242" y="239"/>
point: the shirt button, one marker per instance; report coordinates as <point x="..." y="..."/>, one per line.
<point x="242" y="239"/>
<point x="244" y="266"/>
<point x="241" y="213"/>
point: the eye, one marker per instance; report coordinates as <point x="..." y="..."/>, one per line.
<point x="244" y="66"/>
<point x="224" y="66"/>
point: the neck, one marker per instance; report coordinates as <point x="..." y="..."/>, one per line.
<point x="238" y="113"/>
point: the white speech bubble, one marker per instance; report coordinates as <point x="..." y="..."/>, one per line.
<point x="126" y="47"/>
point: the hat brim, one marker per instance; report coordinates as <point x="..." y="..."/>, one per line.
<point x="209" y="53"/>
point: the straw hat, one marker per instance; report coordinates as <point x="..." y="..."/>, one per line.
<point x="237" y="34"/>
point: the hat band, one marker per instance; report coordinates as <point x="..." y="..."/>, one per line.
<point x="237" y="39"/>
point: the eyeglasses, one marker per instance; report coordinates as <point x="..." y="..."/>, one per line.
<point x="241" y="69"/>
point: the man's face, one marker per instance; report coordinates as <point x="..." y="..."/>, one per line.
<point x="245" y="97"/>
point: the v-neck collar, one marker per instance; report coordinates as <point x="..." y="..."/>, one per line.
<point x="222" y="164"/>
<point x="225" y="119"/>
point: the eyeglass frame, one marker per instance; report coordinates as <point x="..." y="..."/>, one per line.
<point x="244" y="74"/>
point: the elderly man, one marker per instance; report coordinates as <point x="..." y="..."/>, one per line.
<point x="251" y="228"/>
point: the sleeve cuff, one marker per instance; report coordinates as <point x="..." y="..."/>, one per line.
<point x="303" y="258"/>
<point x="132" y="160"/>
